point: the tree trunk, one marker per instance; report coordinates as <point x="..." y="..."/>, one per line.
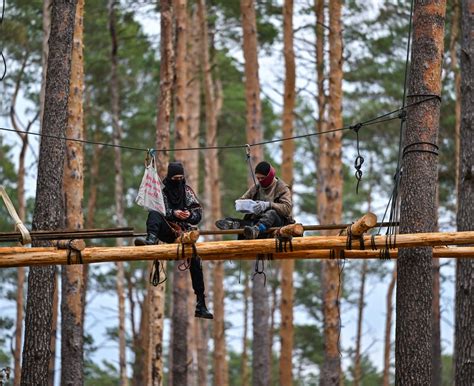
<point x="331" y="185"/>
<point x="72" y="299"/>
<point x="119" y="201"/>
<point x="274" y="304"/>
<point x="193" y="100"/>
<point x="260" y="359"/>
<point x="360" y="310"/>
<point x="388" y="330"/>
<point x="54" y="331"/>
<point x="321" y="160"/>
<point x="47" y="4"/>
<point x="287" y="266"/>
<point x="252" y="83"/>
<point x="213" y="104"/>
<point x="464" y="315"/>
<point x="436" y="326"/>
<point x="49" y="206"/>
<point x="244" y="368"/>
<point x="453" y="44"/>
<point x="418" y="199"/>
<point x="180" y="279"/>
<point x="22" y="216"/>
<point x="157" y="294"/>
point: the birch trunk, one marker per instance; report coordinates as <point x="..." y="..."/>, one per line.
<point x="118" y="191"/>
<point x="331" y="187"/>
<point x="418" y="199"/>
<point x="464" y="315"/>
<point x="287" y="266"/>
<point x="49" y="206"/>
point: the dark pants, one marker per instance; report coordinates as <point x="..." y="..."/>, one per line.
<point x="270" y="218"/>
<point x="157" y="224"/>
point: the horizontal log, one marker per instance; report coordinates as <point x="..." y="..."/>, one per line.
<point x="39" y="256"/>
<point x="326" y="254"/>
<point x="362" y="225"/>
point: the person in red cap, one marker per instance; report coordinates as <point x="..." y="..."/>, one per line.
<point x="273" y="205"/>
<point x="183" y="210"/>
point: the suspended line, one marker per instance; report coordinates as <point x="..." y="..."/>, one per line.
<point x="373" y="121"/>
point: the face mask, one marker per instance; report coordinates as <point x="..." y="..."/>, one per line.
<point x="267" y="181"/>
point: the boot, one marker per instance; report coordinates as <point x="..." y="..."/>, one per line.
<point x="201" y="309"/>
<point x="251" y="232"/>
<point x="151" y="239"/>
<point x="228" y="223"/>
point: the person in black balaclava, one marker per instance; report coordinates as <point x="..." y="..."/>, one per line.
<point x="273" y="205"/>
<point x="182" y="211"/>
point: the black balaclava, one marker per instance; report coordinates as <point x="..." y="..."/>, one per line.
<point x="175" y="190"/>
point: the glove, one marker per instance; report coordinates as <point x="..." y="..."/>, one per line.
<point x="261" y="206"/>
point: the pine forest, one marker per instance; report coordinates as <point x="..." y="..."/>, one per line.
<point x="237" y="192"/>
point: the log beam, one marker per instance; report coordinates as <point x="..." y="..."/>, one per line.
<point x="17" y="256"/>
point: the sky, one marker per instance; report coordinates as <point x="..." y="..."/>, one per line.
<point x="102" y="310"/>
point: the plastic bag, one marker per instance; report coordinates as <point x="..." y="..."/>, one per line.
<point x="150" y="195"/>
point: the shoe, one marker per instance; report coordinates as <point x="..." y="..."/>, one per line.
<point x="228" y="223"/>
<point x="151" y="239"/>
<point x="201" y="309"/>
<point x="251" y="232"/>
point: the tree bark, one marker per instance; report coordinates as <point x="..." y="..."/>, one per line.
<point x="47" y="4"/>
<point x="418" y="199"/>
<point x="388" y="330"/>
<point x="244" y="368"/>
<point x="213" y="104"/>
<point x="360" y="311"/>
<point x="157" y="294"/>
<point x="72" y="299"/>
<point x="118" y="191"/>
<point x="436" y="326"/>
<point x="464" y="315"/>
<point x="321" y="159"/>
<point x="54" y="331"/>
<point x="49" y="207"/>
<point x="331" y="185"/>
<point x="453" y="43"/>
<point x="22" y="216"/>
<point x="180" y="279"/>
<point x="252" y="83"/>
<point x="288" y="147"/>
<point x="260" y="359"/>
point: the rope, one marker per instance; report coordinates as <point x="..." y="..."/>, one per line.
<point x="249" y="161"/>
<point x="4" y="62"/>
<point x="156" y="268"/>
<point x="435" y="152"/>
<point x="369" y="122"/>
<point x="25" y="234"/>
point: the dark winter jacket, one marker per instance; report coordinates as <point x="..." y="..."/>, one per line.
<point x="191" y="203"/>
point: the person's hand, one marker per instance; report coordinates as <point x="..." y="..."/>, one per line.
<point x="261" y="206"/>
<point x="182" y="214"/>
